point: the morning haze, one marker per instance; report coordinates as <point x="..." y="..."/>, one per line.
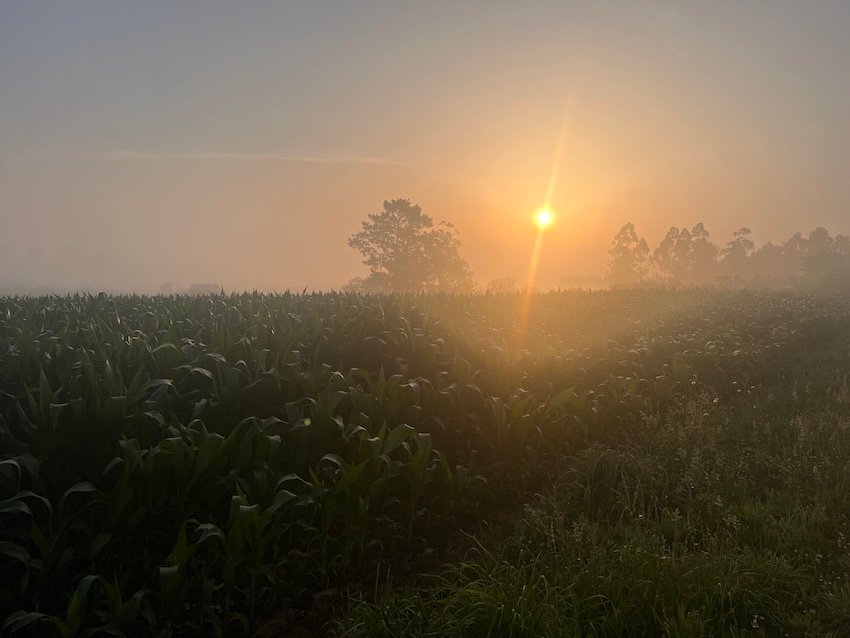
<point x="388" y="318"/>
<point x="242" y="144"/>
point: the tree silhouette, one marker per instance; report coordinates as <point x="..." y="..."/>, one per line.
<point x="736" y="254"/>
<point x="703" y="264"/>
<point x="627" y="258"/>
<point x="826" y="263"/>
<point x="406" y="252"/>
<point x="673" y="257"/>
<point x="685" y="256"/>
<point x="817" y="261"/>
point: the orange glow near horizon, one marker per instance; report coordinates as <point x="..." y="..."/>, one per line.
<point x="543" y="219"/>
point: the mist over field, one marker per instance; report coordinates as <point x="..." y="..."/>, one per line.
<point x="412" y="320"/>
<point x="242" y="145"/>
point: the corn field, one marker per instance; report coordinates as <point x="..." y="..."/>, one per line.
<point x="191" y="465"/>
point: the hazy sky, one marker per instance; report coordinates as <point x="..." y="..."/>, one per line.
<point x="243" y="142"/>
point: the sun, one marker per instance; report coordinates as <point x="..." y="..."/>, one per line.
<point x="544" y="218"/>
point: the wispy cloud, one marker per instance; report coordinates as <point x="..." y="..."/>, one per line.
<point x="251" y="157"/>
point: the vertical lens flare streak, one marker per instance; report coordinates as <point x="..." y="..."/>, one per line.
<point x="543" y="219"/>
<point x="525" y="302"/>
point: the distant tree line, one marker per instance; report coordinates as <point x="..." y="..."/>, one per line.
<point x="406" y="251"/>
<point x="688" y="257"/>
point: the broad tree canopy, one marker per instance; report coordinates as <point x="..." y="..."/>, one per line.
<point x="406" y="252"/>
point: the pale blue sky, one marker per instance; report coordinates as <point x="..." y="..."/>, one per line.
<point x="242" y="142"/>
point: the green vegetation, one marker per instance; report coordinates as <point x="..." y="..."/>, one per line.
<point x="194" y="465"/>
<point x="706" y="523"/>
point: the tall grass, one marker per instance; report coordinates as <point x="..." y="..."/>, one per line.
<point x="714" y="519"/>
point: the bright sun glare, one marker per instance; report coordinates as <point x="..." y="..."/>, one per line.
<point x="544" y="218"/>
